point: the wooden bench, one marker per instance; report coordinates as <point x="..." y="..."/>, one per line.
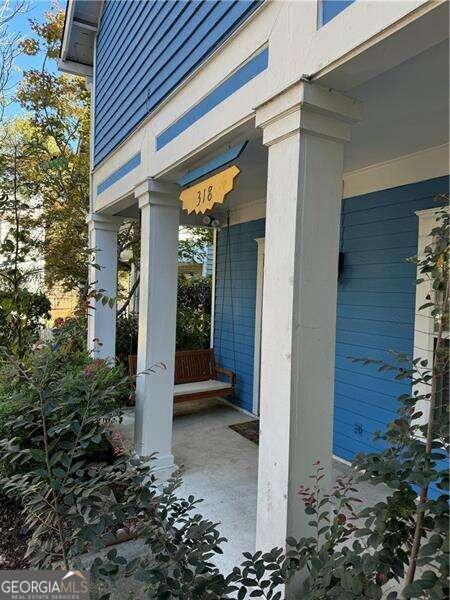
<point x="196" y="375"/>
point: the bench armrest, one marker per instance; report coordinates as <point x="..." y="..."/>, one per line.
<point x="231" y="376"/>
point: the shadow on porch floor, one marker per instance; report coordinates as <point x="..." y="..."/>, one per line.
<point x="221" y="467"/>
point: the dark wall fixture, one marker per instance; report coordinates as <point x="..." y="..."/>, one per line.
<point x="341" y="265"/>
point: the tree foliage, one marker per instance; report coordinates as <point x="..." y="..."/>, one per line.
<point x="22" y="305"/>
<point x="193" y="244"/>
<point x="9" y="48"/>
<point x="59" y="111"/>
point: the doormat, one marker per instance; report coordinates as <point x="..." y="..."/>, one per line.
<point x="249" y="429"/>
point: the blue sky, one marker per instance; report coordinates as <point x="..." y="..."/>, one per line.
<point x="20" y="25"/>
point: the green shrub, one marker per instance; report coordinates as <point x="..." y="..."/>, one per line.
<point x="71" y="382"/>
<point x="193" y="319"/>
<point x="193" y="313"/>
<point x="78" y="485"/>
<point x="126" y="337"/>
<point x="70" y="336"/>
<point x="34" y="310"/>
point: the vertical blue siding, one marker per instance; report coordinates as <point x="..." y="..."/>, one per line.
<point x="145" y="48"/>
<point x="243" y="268"/>
<point x="331" y="8"/>
<point x="375" y="308"/>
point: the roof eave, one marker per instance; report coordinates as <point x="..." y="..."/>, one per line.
<point x="70" y="60"/>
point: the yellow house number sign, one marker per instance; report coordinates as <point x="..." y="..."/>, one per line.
<point x="202" y="196"/>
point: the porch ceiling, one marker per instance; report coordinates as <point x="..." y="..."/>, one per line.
<point x="405" y="110"/>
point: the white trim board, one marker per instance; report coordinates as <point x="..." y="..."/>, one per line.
<point x="423" y="320"/>
<point x="213" y="289"/>
<point x="249" y="211"/>
<point x="410" y="168"/>
<point x="261" y="241"/>
<point x="238" y="408"/>
<point x="342" y="460"/>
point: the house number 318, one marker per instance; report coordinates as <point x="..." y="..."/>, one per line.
<point x="205" y="195"/>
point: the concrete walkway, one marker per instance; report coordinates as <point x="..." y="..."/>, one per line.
<point x="221" y="467"/>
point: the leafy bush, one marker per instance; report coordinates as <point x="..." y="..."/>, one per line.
<point x="126" y="337"/>
<point x="78" y="485"/>
<point x="176" y="559"/>
<point x="70" y="336"/>
<point x="34" y="308"/>
<point x="193" y="313"/>
<point x="70" y="382"/>
<point x="193" y="319"/>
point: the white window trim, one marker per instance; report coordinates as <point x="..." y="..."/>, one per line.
<point x="424" y="331"/>
<point x="258" y="323"/>
<point x="213" y="288"/>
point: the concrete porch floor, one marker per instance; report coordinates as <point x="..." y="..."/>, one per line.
<point x="221" y="467"/>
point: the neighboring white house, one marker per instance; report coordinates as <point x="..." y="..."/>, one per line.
<point x="336" y="115"/>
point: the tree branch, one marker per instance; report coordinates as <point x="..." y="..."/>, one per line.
<point x="130" y="295"/>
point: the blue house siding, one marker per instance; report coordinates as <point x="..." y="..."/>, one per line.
<point x="145" y="48"/>
<point x="237" y="353"/>
<point x="375" y="308"/>
<point x="238" y="79"/>
<point x="331" y="8"/>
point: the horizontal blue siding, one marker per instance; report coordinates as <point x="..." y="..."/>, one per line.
<point x="131" y="164"/>
<point x="331" y="8"/>
<point x="375" y="307"/>
<point x="145" y="48"/>
<point x="236" y="352"/>
<point x="246" y="73"/>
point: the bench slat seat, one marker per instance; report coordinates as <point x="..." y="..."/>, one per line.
<point x="196" y="375"/>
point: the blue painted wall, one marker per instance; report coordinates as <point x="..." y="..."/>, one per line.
<point x="145" y="48"/>
<point x="248" y="71"/>
<point x="331" y="8"/>
<point x="243" y="268"/>
<point x="375" y="308"/>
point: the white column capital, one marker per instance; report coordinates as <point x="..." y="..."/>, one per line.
<point x="104" y="222"/>
<point x="309" y="108"/>
<point x="153" y="191"/>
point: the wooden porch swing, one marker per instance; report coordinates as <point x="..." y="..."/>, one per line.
<point x="196" y="376"/>
<point x="196" y="373"/>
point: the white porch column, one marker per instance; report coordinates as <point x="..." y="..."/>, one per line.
<point x="160" y="208"/>
<point x="305" y="129"/>
<point x="102" y="317"/>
